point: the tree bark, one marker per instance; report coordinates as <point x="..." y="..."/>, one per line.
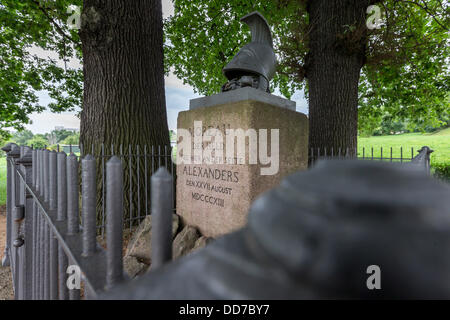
<point x="124" y="96"/>
<point x="124" y="99"/>
<point x="338" y="37"/>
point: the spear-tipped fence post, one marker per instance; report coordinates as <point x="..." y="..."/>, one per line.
<point x="73" y="226"/>
<point x="34" y="213"/>
<point x="61" y="215"/>
<point x="41" y="256"/>
<point x="46" y="177"/>
<point x="52" y="172"/>
<point x="46" y="233"/>
<point x="62" y="186"/>
<point x="161" y="201"/>
<point x="114" y="221"/>
<point x="72" y="195"/>
<point x="89" y="196"/>
<point x="53" y="245"/>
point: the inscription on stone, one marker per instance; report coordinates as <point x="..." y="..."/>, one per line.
<point x="215" y="192"/>
<point x="216" y="183"/>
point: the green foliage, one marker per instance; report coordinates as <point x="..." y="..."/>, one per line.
<point x="57" y="136"/>
<point x="173" y="135"/>
<point x="26" y="26"/>
<point x="38" y="141"/>
<point x="74" y="139"/>
<point x="2" y="181"/>
<point x="407" y="72"/>
<point x="51" y="140"/>
<point x="390" y="126"/>
<point x="406" y="75"/>
<point x="21" y="138"/>
<point x="203" y="35"/>
<point x="441" y="170"/>
<point x="61" y="134"/>
<point x="3" y="142"/>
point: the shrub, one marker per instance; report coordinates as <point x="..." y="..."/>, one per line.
<point x="72" y="140"/>
<point x="441" y="170"/>
<point x="38" y="142"/>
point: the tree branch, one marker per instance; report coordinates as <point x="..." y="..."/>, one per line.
<point x="388" y="25"/>
<point x="53" y="22"/>
<point x="427" y="11"/>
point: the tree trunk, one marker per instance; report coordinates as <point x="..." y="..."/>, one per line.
<point x="337" y="51"/>
<point x="124" y="97"/>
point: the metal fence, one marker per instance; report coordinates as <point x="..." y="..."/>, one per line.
<point x="314" y="236"/>
<point x="50" y="229"/>
<point x="374" y="154"/>
<point x="52" y="219"/>
<point x="139" y="163"/>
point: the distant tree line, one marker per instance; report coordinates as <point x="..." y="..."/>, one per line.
<point x="388" y="125"/>
<point x="49" y="140"/>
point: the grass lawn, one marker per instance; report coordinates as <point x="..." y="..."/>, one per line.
<point x="2" y="181"/>
<point x="439" y="142"/>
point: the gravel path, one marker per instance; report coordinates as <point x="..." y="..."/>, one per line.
<point x="6" y="290"/>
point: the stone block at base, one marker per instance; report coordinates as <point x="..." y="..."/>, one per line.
<point x="215" y="198"/>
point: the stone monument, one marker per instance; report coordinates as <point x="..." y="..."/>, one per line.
<point x="239" y="143"/>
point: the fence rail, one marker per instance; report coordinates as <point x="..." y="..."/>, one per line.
<point x="50" y="231"/>
<point x="382" y="154"/>
<point x="139" y="163"/>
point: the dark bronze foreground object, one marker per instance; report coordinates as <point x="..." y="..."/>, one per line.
<point x="314" y="237"/>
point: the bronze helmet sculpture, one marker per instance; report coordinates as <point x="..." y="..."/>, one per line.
<point x="255" y="64"/>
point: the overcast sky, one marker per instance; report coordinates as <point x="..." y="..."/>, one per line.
<point x="177" y="98"/>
